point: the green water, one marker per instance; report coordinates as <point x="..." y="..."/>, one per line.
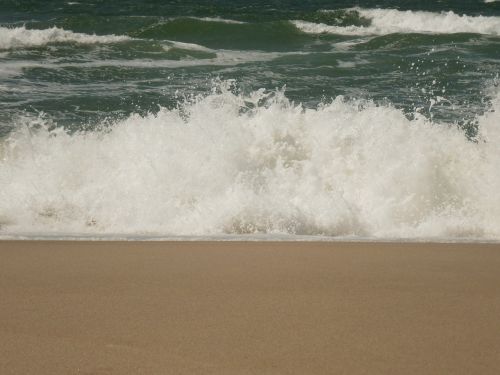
<point x="80" y="84"/>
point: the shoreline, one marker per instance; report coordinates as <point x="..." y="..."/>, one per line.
<point x="110" y="307"/>
<point x="242" y="239"/>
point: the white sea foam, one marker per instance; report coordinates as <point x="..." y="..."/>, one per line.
<point x="169" y="44"/>
<point x="218" y="19"/>
<point x="389" y="21"/>
<point x="229" y="164"/>
<point x="19" y="37"/>
<point x="221" y="58"/>
<point x="9" y="69"/>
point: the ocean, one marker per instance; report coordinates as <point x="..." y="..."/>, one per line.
<point x="282" y="119"/>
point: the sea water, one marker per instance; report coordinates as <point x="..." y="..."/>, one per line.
<point x="250" y="120"/>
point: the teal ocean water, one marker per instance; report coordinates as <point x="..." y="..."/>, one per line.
<point x="346" y="119"/>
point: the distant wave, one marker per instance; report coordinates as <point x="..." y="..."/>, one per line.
<point x="19" y="37"/>
<point x="224" y="34"/>
<point x="217" y="19"/>
<point x="233" y="164"/>
<point x="219" y="58"/>
<point x="171" y="44"/>
<point x="389" y="21"/>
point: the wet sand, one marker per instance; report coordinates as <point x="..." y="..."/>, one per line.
<point x="248" y="308"/>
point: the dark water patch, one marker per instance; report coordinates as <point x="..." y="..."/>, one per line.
<point x="413" y="40"/>
<point x="487" y="48"/>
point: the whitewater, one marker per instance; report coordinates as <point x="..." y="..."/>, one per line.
<point x="382" y="22"/>
<point x="250" y="121"/>
<point x="230" y="164"/>
<point x="390" y="21"/>
<point x="17" y="37"/>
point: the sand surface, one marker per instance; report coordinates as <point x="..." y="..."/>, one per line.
<point x="248" y="308"/>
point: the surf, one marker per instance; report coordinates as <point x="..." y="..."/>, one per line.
<point x="21" y="37"/>
<point x="233" y="164"/>
<point x="391" y="21"/>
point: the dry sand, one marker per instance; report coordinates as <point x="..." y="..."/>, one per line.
<point x="248" y="308"/>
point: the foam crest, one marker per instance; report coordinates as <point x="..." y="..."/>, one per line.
<point x="218" y="19"/>
<point x="390" y="21"/>
<point x="215" y="58"/>
<point x="232" y="164"/>
<point x="20" y="37"/>
<point x="170" y="44"/>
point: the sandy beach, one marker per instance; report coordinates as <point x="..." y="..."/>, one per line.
<point x="248" y="308"/>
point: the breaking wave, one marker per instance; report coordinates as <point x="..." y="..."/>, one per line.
<point x="390" y="21"/>
<point x="21" y="37"/>
<point x="248" y="164"/>
<point x="218" y="19"/>
<point x="172" y="44"/>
